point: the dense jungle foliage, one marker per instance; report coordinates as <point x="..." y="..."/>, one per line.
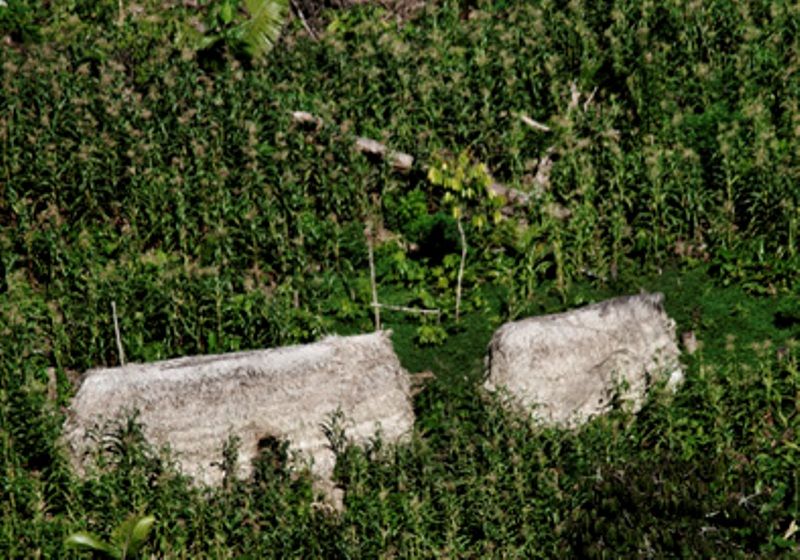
<point x="148" y="159"/>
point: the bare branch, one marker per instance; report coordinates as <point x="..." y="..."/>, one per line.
<point x="460" y="267"/>
<point x="575" y="96"/>
<point x="373" y="284"/>
<point x="400" y="161"/>
<point x="302" y="17"/>
<point x="589" y="99"/>
<point x="532" y="123"/>
<point x="302" y="117"/>
<point x="419" y="310"/>
<point x="120" y="350"/>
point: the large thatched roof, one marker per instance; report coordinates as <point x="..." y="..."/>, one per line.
<point x="195" y="404"/>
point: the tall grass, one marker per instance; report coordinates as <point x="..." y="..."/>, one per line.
<point x="174" y="183"/>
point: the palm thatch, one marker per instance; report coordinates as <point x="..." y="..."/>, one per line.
<point x="194" y="404"/>
<point x="570" y="366"/>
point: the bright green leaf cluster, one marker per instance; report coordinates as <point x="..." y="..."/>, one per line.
<point x="126" y="540"/>
<point x="467" y="189"/>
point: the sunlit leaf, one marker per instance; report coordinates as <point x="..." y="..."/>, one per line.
<point x="435" y="175"/>
<point x="88" y="542"/>
<point x="140" y="532"/>
<point x="262" y="30"/>
<point x="131" y="535"/>
<point x="226" y="12"/>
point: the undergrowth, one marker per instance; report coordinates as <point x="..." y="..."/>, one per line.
<point x="175" y="183"/>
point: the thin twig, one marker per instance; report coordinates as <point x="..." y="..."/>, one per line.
<point x="405" y="309"/>
<point x="575" y="96"/>
<point x="533" y="124"/>
<point x="376" y="308"/>
<point x="120" y="350"/>
<point x="460" y="266"/>
<point x="589" y="99"/>
<point x="306" y="118"/>
<point x="307" y="27"/>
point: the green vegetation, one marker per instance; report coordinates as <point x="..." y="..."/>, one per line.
<point x="253" y="37"/>
<point x="167" y="176"/>
<point x="126" y="541"/>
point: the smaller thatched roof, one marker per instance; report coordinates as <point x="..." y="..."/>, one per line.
<point x="568" y="366"/>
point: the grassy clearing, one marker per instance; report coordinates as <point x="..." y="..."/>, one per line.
<point x="136" y="170"/>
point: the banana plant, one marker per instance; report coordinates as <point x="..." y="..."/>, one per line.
<point x="125" y="543"/>
<point x="249" y="26"/>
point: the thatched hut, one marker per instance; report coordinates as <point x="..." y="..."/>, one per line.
<point x="569" y="366"/>
<point x="195" y="404"/>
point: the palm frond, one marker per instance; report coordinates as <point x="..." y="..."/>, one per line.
<point x="262" y="30"/>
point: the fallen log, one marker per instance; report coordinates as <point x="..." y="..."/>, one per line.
<point x="195" y="404"/>
<point x="307" y="119"/>
<point x="400" y="161"/>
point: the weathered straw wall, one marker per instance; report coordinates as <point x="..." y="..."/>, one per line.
<point x="568" y="366"/>
<point x="194" y="404"/>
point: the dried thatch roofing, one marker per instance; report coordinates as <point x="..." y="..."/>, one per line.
<point x="568" y="366"/>
<point x="194" y="404"/>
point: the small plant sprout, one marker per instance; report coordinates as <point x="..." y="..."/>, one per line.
<point x="468" y="193"/>
<point x="126" y="541"/>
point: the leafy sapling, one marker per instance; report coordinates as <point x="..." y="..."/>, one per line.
<point x="468" y="193"/>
